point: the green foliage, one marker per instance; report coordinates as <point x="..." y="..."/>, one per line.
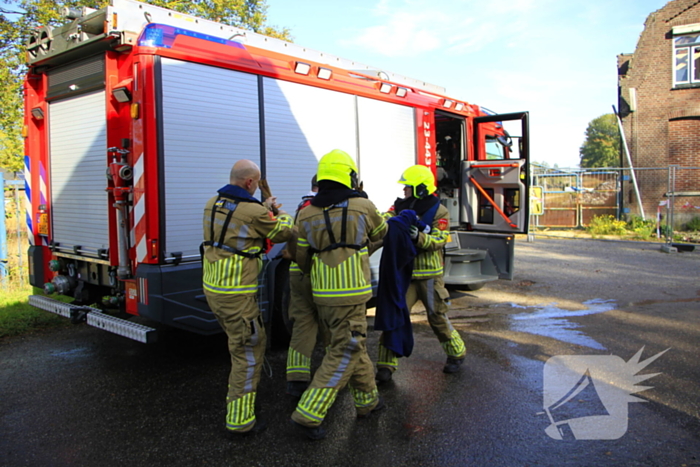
<point x="17" y="17"/>
<point x="635" y="227"/>
<point x="693" y="225"/>
<point x="641" y="229"/>
<point x="246" y="14"/>
<point x="602" y="145"/>
<point x="665" y="230"/>
<point x="606" y="225"/>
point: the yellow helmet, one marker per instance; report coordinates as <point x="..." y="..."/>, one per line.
<point x="339" y="167"/>
<point x="421" y="179"/>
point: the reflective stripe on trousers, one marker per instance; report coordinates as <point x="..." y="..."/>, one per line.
<point x="240" y="413"/>
<point x="298" y="366"/>
<point x="346" y="362"/>
<point x="387" y="358"/>
<point x="239" y="316"/>
<point x="314" y="404"/>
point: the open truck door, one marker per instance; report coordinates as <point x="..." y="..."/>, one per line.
<point x="495" y="184"/>
<point x="493" y="202"/>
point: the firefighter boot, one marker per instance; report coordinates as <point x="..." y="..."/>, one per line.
<point x="259" y="427"/>
<point x="452" y="365"/>
<point x="380" y="406"/>
<point x="312" y="432"/>
<point x="383" y="375"/>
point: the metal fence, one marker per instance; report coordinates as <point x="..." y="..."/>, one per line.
<point x="13" y="239"/>
<point x="571" y="198"/>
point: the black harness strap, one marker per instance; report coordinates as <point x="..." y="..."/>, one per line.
<point x="329" y="228"/>
<point x="224" y="228"/>
<point x="343" y="232"/>
<point x="231" y="207"/>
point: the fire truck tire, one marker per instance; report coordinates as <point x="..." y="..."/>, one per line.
<point x="466" y="287"/>
<point x="280" y="331"/>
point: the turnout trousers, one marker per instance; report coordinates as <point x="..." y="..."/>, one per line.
<point x="305" y="327"/>
<point x="239" y="316"/>
<point x="432" y="293"/>
<point x="346" y="362"/>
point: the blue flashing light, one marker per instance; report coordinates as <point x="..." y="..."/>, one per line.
<point x="162" y="35"/>
<point x="490" y="112"/>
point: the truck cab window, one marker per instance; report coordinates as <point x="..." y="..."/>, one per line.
<point x="494" y="149"/>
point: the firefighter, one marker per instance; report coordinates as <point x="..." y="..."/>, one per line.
<point x="302" y="313"/>
<point x="426" y="280"/>
<point x="236" y="226"/>
<point x="334" y="232"/>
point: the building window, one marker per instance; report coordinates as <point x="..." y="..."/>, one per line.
<point x="686" y="50"/>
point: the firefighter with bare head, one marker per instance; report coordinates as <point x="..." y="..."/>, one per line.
<point x="426" y="283"/>
<point x="236" y="226"/>
<point x="334" y="232"/>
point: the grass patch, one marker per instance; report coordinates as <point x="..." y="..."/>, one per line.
<point x="17" y="317"/>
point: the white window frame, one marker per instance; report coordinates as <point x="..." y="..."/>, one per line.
<point x="692" y="54"/>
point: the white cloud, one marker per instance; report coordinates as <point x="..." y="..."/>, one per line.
<point x="408" y="27"/>
<point x="403" y="33"/>
<point x="553" y="58"/>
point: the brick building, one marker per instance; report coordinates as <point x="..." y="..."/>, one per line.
<point x="659" y="102"/>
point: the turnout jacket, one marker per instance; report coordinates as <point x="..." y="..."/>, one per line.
<point x="291" y="246"/>
<point x="429" y="261"/>
<point x="340" y="275"/>
<point x="232" y="259"/>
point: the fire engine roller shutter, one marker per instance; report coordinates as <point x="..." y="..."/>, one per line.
<point x="78" y="165"/>
<point x="387" y="148"/>
<point x="210" y="120"/>
<point x="302" y="123"/>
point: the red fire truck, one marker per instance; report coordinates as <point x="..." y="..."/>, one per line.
<point x="135" y="114"/>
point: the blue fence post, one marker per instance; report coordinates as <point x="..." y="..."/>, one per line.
<point x="3" y="235"/>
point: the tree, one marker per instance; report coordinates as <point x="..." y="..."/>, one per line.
<point x="602" y="145"/>
<point x="19" y="16"/>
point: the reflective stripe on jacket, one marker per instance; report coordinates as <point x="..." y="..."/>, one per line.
<point x="340" y="276"/>
<point x="250" y="224"/>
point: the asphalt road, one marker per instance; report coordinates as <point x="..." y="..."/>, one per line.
<point x="83" y="397"/>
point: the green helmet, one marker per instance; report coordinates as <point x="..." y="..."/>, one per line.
<point x="421" y="179"/>
<point x="339" y="167"/>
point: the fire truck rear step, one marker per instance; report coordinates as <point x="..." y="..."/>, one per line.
<point x="466" y="266"/>
<point x="96" y="318"/>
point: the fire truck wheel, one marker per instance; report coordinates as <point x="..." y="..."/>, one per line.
<point x="466" y="287"/>
<point x="280" y="331"/>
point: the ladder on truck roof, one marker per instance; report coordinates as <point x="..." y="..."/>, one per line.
<point x="125" y="19"/>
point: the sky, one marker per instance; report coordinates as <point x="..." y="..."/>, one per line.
<point x="556" y="59"/>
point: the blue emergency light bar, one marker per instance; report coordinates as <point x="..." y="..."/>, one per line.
<point x="162" y="35"/>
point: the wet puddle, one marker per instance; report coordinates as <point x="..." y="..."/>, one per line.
<point x="70" y="354"/>
<point x="551" y="321"/>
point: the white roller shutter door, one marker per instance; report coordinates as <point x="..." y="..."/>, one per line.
<point x="387" y="148"/>
<point x="302" y="123"/>
<point x="78" y="165"/>
<point x="210" y="120"/>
